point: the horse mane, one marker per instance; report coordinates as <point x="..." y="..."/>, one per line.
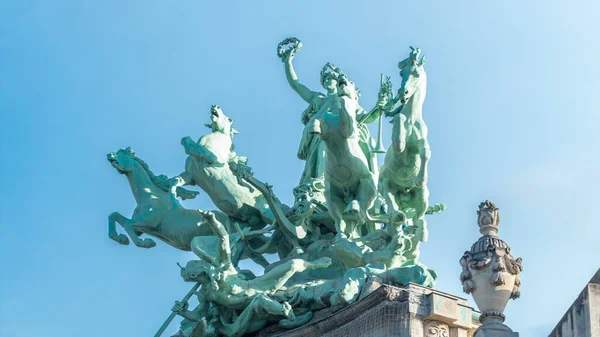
<point x="232" y="131"/>
<point x="161" y="181"/>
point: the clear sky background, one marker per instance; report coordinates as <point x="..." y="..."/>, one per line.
<point x="512" y="109"/>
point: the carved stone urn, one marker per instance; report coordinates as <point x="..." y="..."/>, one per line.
<point x="490" y="274"/>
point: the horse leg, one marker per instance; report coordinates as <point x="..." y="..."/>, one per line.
<point x="259" y="259"/>
<point x="399" y="133"/>
<point x="425" y="154"/>
<point x="389" y="191"/>
<point x="412" y="255"/>
<point x="133" y="226"/>
<point x="242" y="251"/>
<point x="367" y="192"/>
<point x="198" y="247"/>
<point x="336" y="205"/>
<point x="386" y="191"/>
<point x="420" y="202"/>
<point x="112" y="230"/>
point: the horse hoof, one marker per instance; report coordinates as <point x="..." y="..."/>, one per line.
<point x="399" y="218"/>
<point x="353" y="207"/>
<point x="315" y="128"/>
<point x="148" y="243"/>
<point x="123" y="239"/>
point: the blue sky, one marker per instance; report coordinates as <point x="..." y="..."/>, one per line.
<point x="512" y="110"/>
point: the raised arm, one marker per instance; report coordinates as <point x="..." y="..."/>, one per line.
<point x="364" y="117"/>
<point x="392" y="107"/>
<point x="290" y="74"/>
<point x="221" y="233"/>
<point x="385" y="102"/>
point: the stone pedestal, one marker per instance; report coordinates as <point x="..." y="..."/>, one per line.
<point x="383" y="310"/>
<point x="495" y="329"/>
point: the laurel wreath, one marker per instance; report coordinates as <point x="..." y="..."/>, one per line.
<point x="287" y="47"/>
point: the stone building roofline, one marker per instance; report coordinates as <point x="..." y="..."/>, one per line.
<point x="596" y="278"/>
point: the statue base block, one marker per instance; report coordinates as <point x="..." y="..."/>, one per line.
<point x="384" y="310"/>
<point x="495" y="330"/>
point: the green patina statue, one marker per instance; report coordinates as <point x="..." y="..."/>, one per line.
<point x="312" y="149"/>
<point x="156" y="213"/>
<point x="351" y="220"/>
<point x="403" y="177"/>
<point x="243" y="304"/>
<point x="159" y="214"/>
<point x="349" y="184"/>
<point x="208" y="167"/>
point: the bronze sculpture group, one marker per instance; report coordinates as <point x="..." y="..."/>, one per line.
<point x="351" y="219"/>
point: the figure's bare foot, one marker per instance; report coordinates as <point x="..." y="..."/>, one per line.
<point x="321" y="263"/>
<point x="287" y="311"/>
<point x="296" y="322"/>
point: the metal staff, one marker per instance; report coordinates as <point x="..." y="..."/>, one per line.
<point x="379" y="147"/>
<point x="383" y="86"/>
<point x="185" y="299"/>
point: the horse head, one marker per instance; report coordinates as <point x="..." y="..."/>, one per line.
<point x="412" y="74"/>
<point x="220" y="122"/>
<point x="347" y="88"/>
<point x="347" y="126"/>
<point x="123" y="160"/>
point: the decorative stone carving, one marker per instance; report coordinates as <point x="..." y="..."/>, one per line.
<point x="436" y="329"/>
<point x="489" y="271"/>
<point x="488" y="218"/>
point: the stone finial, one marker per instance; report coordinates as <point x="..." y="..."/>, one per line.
<point x="490" y="273"/>
<point x="488" y="218"/>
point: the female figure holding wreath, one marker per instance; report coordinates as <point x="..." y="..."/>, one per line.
<point x="312" y="149"/>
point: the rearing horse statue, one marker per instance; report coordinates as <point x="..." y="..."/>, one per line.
<point x="403" y="176"/>
<point x="208" y="168"/>
<point x="157" y="214"/>
<point x="349" y="184"/>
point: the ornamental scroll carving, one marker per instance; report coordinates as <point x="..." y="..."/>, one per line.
<point x="436" y="329"/>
